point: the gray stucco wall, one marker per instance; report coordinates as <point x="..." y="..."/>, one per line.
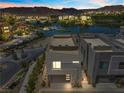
<point x="94" y="60"/>
<point x="112" y="59"/>
<point x="91" y="65"/>
<point x="67" y="67"/>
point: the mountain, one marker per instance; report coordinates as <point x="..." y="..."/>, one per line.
<point x="65" y="11"/>
<point x="32" y="11"/>
<point x="109" y="9"/>
<point x="71" y="11"/>
<point x="40" y="11"/>
<point x="113" y="8"/>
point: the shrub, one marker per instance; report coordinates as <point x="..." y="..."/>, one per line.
<point x="34" y="75"/>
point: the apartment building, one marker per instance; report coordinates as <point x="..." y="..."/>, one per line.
<point x="63" y="61"/>
<point x="102" y="58"/>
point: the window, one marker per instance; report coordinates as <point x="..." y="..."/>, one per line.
<point x="104" y="66"/>
<point x="6" y="31"/>
<point x="75" y="62"/>
<point x="6" y="27"/>
<point x="57" y="65"/>
<point x="121" y="65"/>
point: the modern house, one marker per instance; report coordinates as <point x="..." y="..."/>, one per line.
<point x="63" y="61"/>
<point x="102" y="58"/>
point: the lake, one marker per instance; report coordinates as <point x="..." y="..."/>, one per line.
<point x="79" y="29"/>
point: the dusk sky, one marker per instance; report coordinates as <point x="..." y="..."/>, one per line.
<point x="79" y="4"/>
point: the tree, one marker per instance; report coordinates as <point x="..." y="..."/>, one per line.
<point x="9" y="20"/>
<point x="40" y="34"/>
<point x="5" y="37"/>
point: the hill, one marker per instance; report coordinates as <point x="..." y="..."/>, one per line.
<point x="65" y="11"/>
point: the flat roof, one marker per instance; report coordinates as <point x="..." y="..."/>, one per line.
<point x="121" y="26"/>
<point x="62" y="41"/>
<point x="120" y="40"/>
<point x="62" y="35"/>
<point x="75" y="52"/>
<point x="96" y="42"/>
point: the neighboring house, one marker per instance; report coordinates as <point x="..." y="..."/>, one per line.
<point x="22" y="29"/>
<point x="5" y="32"/>
<point x="85" y="18"/>
<point x="63" y="61"/>
<point x="68" y="17"/>
<point x="44" y="18"/>
<point x="64" y="17"/>
<point x="32" y="17"/>
<point x="102" y="59"/>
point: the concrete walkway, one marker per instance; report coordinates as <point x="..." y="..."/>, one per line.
<point x="106" y="85"/>
<point x="84" y="82"/>
<point x="81" y="90"/>
<point x="23" y="87"/>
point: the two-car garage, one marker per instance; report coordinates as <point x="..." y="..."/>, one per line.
<point x="60" y="81"/>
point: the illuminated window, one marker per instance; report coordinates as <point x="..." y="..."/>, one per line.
<point x="75" y="62"/>
<point x="6" y="31"/>
<point x="5" y="27"/>
<point x="56" y="65"/>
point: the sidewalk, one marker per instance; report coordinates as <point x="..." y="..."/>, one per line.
<point x="23" y="87"/>
<point x="81" y="90"/>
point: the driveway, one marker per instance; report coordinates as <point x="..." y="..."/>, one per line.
<point x="81" y="90"/>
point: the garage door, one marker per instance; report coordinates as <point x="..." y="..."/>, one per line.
<point x="58" y="79"/>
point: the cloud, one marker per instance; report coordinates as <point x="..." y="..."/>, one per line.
<point x="79" y="4"/>
<point x="86" y="4"/>
<point x="5" y="5"/>
<point x="100" y="2"/>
